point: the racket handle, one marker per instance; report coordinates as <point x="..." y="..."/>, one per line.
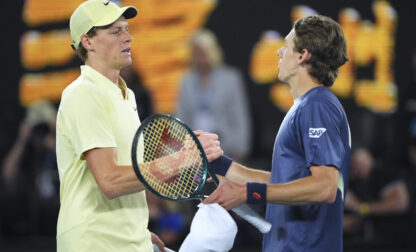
<point x="253" y="218"/>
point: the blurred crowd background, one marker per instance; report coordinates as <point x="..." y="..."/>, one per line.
<point x="213" y="64"/>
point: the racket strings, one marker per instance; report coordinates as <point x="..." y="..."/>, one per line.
<point x="164" y="140"/>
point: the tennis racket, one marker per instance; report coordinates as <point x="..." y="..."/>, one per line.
<point x="169" y="160"/>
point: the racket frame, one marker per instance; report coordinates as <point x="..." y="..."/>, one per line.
<point x="194" y="195"/>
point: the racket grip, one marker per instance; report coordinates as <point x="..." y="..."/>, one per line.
<point x="253" y="218"/>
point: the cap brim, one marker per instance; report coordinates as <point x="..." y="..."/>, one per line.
<point x="127" y="12"/>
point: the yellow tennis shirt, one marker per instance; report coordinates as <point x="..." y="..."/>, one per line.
<point x="94" y="114"/>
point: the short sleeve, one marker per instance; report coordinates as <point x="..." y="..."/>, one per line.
<point x="320" y="137"/>
<point x="87" y="118"/>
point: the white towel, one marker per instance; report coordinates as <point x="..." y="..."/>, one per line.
<point x="212" y="230"/>
<point x="156" y="249"/>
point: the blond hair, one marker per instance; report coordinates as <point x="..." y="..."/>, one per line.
<point x="209" y="43"/>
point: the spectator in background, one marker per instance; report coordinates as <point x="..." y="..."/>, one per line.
<point x="30" y="175"/>
<point x="143" y="97"/>
<point x="212" y="97"/>
<point x="377" y="204"/>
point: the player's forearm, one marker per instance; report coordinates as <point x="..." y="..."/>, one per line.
<point x="302" y="191"/>
<point x="241" y="174"/>
<point x="122" y="181"/>
<point x="112" y="179"/>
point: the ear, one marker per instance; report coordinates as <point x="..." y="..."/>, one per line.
<point x="86" y="42"/>
<point x="304" y="56"/>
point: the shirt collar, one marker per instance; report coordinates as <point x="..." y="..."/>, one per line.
<point x="103" y="81"/>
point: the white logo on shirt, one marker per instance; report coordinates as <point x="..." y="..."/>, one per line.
<point x="316" y="132"/>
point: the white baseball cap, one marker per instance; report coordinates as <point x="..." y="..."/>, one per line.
<point x="96" y="13"/>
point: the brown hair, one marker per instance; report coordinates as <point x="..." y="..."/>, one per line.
<point x="324" y="39"/>
<point x="81" y="51"/>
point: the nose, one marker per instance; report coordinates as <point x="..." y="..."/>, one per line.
<point x="128" y="38"/>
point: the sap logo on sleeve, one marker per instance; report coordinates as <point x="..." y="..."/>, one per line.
<point x="316" y="132"/>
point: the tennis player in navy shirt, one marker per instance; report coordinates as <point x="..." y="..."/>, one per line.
<point x="305" y="189"/>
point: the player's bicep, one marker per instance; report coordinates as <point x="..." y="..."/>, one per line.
<point x="102" y="162"/>
<point x="328" y="174"/>
<point x="327" y="177"/>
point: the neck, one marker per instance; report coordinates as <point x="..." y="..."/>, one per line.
<point x="204" y="75"/>
<point x="204" y="70"/>
<point x="301" y="84"/>
<point x="111" y="73"/>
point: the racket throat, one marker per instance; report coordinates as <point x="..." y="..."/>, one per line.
<point x="201" y="196"/>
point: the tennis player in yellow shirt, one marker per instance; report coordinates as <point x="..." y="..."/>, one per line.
<point x="103" y="205"/>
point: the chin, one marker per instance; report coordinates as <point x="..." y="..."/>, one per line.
<point x="126" y="63"/>
<point x="283" y="78"/>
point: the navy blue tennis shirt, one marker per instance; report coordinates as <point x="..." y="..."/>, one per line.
<point x="314" y="132"/>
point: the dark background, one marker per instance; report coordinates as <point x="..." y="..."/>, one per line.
<point x="238" y="26"/>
